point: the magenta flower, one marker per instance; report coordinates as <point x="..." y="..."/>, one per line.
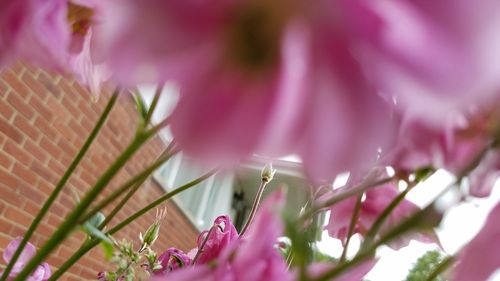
<point x="250" y="258"/>
<point x="481" y="257"/>
<point x="217" y="239"/>
<point x="173" y="259"/>
<point x="376" y="201"/>
<point x="41" y="273"/>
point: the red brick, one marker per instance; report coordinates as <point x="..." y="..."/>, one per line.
<point x="40" y="108"/>
<point x="22" y="124"/>
<point x="34" y="85"/>
<point x="17" y="152"/>
<point x="49" y="84"/>
<point x="17" y="86"/>
<point x="6" y="110"/>
<point x="5" y="160"/>
<point x="50" y="147"/>
<point x="18" y="216"/>
<point x="10" y="131"/>
<point x="24" y="174"/>
<point x="69" y="92"/>
<point x="34" y="150"/>
<point x="20" y="106"/>
<point x="45" y="128"/>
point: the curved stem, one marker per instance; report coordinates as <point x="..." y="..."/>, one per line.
<point x="443" y="265"/>
<point x="255" y="205"/>
<point x="60" y="185"/>
<point x="352" y="225"/>
<point x="377" y="225"/>
<point x="357" y="190"/>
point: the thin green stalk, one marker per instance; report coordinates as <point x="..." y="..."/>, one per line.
<point x="129" y="195"/>
<point x="200" y="249"/>
<point x="72" y="219"/>
<point x="154" y="103"/>
<point x="407" y="225"/>
<point x="382" y="218"/>
<point x="60" y="185"/>
<point x="352" y="225"/>
<point x="94" y="242"/>
<point x="255" y="205"/>
<point x="139" y="178"/>
<point x="357" y="190"/>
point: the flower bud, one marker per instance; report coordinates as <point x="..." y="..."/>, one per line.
<point x="268" y="172"/>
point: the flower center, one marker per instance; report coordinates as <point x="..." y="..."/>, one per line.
<point x="80" y="18"/>
<point x="255" y="34"/>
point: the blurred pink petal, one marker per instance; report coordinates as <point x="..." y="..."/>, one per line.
<point x="481" y="257"/>
<point x="85" y="70"/>
<point x="433" y="60"/>
<point x="258" y="76"/>
<point x="35" y="31"/>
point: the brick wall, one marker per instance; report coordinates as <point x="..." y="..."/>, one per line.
<point x="44" y="120"/>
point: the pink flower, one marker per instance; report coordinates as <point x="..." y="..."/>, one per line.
<point x="35" y="31"/>
<point x="41" y="273"/>
<point x="481" y="257"/>
<point x="377" y="199"/>
<point x="282" y="74"/>
<point x="173" y="259"/>
<point x="253" y="257"/>
<point x="222" y="234"/>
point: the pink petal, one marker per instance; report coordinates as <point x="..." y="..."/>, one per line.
<point x="481" y="257"/>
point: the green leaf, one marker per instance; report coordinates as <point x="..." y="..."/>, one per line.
<point x="106" y="242"/>
<point x="97" y="219"/>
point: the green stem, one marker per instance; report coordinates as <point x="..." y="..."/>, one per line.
<point x="357" y="190"/>
<point x="352" y="225"/>
<point x="382" y="218"/>
<point x="202" y="246"/>
<point x="60" y="185"/>
<point x="407" y="225"/>
<point x="139" y="178"/>
<point x="443" y="265"/>
<point x="154" y="103"/>
<point x="72" y="219"/>
<point x="94" y="242"/>
<point x="129" y="195"/>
